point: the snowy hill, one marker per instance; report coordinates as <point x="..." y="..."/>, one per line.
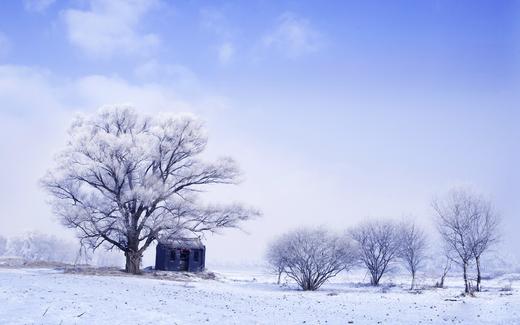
<point x="45" y="296"/>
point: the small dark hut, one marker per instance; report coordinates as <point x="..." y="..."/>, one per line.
<point x="180" y="255"/>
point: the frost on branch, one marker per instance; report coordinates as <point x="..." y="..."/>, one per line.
<point x="125" y="180"/>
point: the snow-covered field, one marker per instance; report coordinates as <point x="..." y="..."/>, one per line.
<point x="45" y="296"/>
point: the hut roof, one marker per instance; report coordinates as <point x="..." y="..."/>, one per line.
<point x="191" y="243"/>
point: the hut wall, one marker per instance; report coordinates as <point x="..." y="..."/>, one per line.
<point x="164" y="260"/>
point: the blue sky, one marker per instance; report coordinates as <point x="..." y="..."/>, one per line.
<point x="336" y="111"/>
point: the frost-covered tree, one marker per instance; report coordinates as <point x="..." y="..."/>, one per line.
<point x="378" y="245"/>
<point x="125" y="180"/>
<point x="35" y="246"/>
<point x="312" y="256"/>
<point x="412" y="251"/>
<point x="468" y="226"/>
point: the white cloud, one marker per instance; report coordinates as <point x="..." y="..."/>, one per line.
<point x="215" y="22"/>
<point x="16" y="82"/>
<point x="293" y="36"/>
<point x="94" y="91"/>
<point x="111" y="27"/>
<point x="225" y="52"/>
<point x="28" y="133"/>
<point x="174" y="74"/>
<point x="34" y="126"/>
<point x="37" y="5"/>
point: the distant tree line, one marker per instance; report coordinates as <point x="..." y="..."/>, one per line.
<point x="467" y="224"/>
<point x="35" y="246"/>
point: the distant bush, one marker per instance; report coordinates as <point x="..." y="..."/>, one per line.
<point x="310" y="256"/>
<point x="507" y="288"/>
<point x="36" y="246"/>
<point x="3" y="245"/>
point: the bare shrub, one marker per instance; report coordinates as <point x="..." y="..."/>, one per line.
<point x="311" y="256"/>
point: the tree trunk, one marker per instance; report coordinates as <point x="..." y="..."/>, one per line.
<point x="465" y="274"/>
<point x="279" y="276"/>
<point x="133" y="262"/>
<point x="445" y="272"/>
<point x="374" y="279"/>
<point x="413" y="281"/>
<point x="477" y="260"/>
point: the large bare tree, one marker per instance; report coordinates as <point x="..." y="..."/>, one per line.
<point x="468" y="226"/>
<point x="412" y="248"/>
<point x="312" y="256"/>
<point x="124" y="180"/>
<point x="378" y="245"/>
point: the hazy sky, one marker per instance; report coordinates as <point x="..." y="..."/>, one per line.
<point x="336" y="112"/>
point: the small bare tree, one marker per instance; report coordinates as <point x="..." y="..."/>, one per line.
<point x="483" y="232"/>
<point x="441" y="262"/>
<point x="468" y="226"/>
<point x="454" y="215"/>
<point x="277" y="258"/>
<point x="446" y="267"/>
<point x="312" y="256"/>
<point x="412" y="248"/>
<point x="378" y="244"/>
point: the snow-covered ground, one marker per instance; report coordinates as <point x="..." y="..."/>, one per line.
<point x="44" y="296"/>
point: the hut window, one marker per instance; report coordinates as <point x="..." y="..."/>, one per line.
<point x="196" y="256"/>
<point x="172" y="255"/>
